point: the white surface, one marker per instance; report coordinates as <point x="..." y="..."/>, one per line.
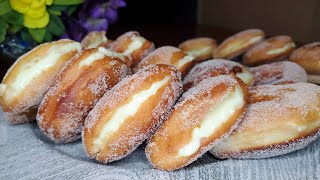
<point x="26" y="154"/>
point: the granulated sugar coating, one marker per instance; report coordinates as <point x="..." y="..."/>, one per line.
<point x="31" y="76"/>
<point x="279" y="119"/>
<point x="203" y="116"/>
<point x="212" y="68"/>
<point x="284" y="72"/>
<point x="78" y="87"/>
<point x="168" y="55"/>
<point x="130" y="112"/>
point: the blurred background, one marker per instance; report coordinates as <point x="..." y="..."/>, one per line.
<point x="299" y="19"/>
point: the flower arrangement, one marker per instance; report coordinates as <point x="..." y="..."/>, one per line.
<point x="39" y="21"/>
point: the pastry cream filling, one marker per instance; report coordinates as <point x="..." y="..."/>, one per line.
<point x="97" y="42"/>
<point x="127" y="110"/>
<point x="213" y="120"/>
<point x="91" y="58"/>
<point x="246" y="77"/>
<point x="2" y="89"/>
<point x="241" y="44"/>
<point x="99" y="55"/>
<point x="184" y="60"/>
<point x="36" y="67"/>
<point x="254" y="40"/>
<point x="111" y="53"/>
<point x="280" y="50"/>
<point x="199" y="52"/>
<point x="136" y="43"/>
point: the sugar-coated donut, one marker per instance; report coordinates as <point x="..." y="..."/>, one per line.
<point x="238" y="43"/>
<point x="283" y="72"/>
<point x="272" y="49"/>
<point x="308" y="56"/>
<point x="279" y="119"/>
<point x="26" y="82"/>
<point x="134" y="46"/>
<point x="201" y="48"/>
<point x="107" y="44"/>
<point x="213" y="68"/>
<point x="128" y="114"/>
<point x="203" y="116"/>
<point x="94" y="39"/>
<point x="78" y="87"/>
<point x="168" y="55"/>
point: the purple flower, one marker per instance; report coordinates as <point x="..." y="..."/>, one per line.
<point x="94" y="15"/>
<point x="95" y="24"/>
<point x="74" y="29"/>
<point x="115" y="4"/>
<point x="112" y="15"/>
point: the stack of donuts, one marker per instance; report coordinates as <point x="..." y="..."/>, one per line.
<point x="183" y="101"/>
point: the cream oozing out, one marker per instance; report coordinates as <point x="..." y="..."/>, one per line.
<point x="184" y="60"/>
<point x="35" y="67"/>
<point x="213" y="120"/>
<point x="125" y="111"/>
<point x="246" y="77"/>
<point x="136" y="43"/>
<point x="99" y="55"/>
<point x="199" y="52"/>
<point x="281" y="50"/>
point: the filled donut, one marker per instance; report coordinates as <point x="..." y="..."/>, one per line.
<point x="127" y="114"/>
<point x="283" y="72"/>
<point x="204" y="115"/>
<point x="238" y="44"/>
<point x="213" y="68"/>
<point x="273" y="49"/>
<point x="168" y="55"/>
<point x="94" y="39"/>
<point x="308" y="56"/>
<point x="78" y="87"/>
<point x="201" y="48"/>
<point x="26" y="82"/>
<point x="132" y="45"/>
<point x="279" y="119"/>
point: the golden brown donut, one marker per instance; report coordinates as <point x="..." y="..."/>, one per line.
<point x="308" y="56"/>
<point x="168" y="55"/>
<point x="78" y="87"/>
<point x="238" y="44"/>
<point x="283" y="72"/>
<point x="213" y="68"/>
<point x="201" y="48"/>
<point x="94" y="39"/>
<point x="26" y="82"/>
<point x="279" y="119"/>
<point x="272" y="49"/>
<point x="134" y="46"/>
<point x="203" y="116"/>
<point x="128" y="114"/>
<point x="107" y="44"/>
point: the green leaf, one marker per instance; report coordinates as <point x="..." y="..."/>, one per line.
<point x="3" y="30"/>
<point x="71" y="10"/>
<point x="38" y="34"/>
<point x="25" y="35"/>
<point x="4" y="7"/>
<point x="56" y="26"/>
<point x="14" y="28"/>
<point x="48" y="37"/>
<point x="57" y="9"/>
<point x="13" y="17"/>
<point x="69" y="2"/>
